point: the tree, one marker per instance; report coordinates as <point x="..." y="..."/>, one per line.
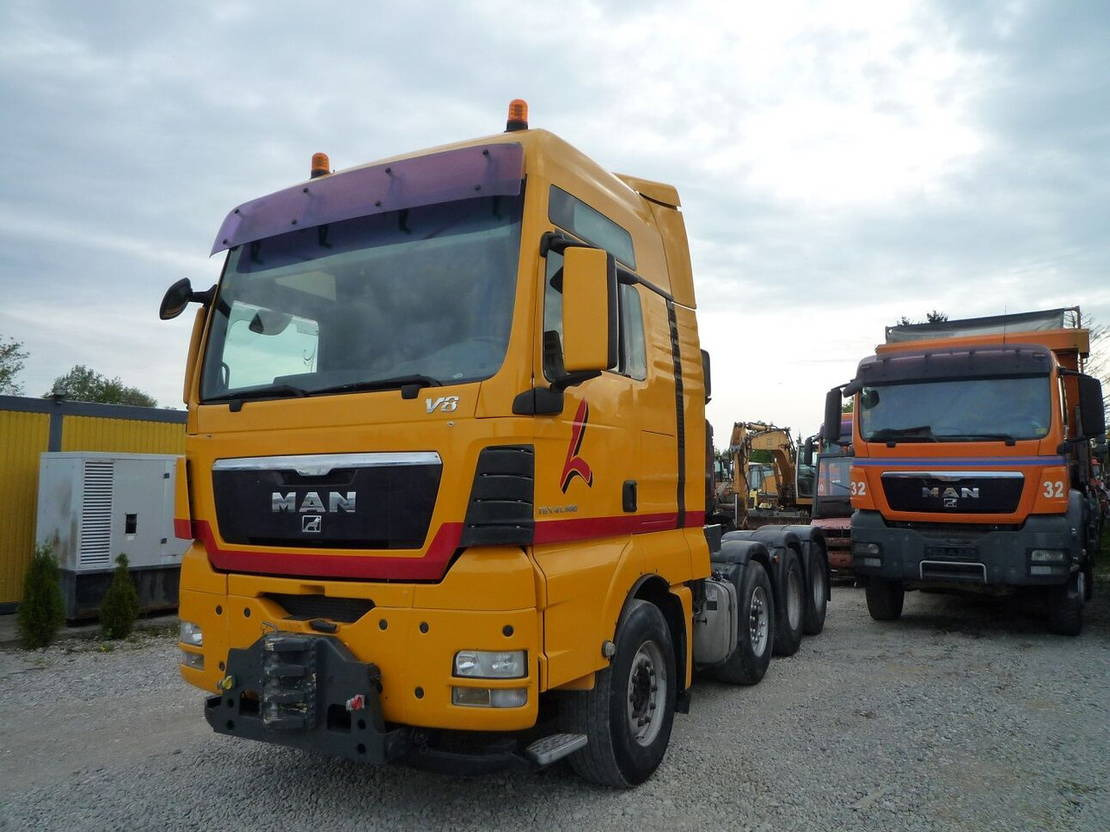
<point x="12" y="357"/>
<point x="42" y="611"/>
<point x="120" y="605"/>
<point x="931" y="317"/>
<point x="83" y="384"/>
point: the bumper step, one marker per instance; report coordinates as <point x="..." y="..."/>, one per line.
<point x="545" y="751"/>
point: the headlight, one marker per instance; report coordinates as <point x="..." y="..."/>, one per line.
<point x="1048" y="556"/>
<point x="190" y="633"/>
<point x="193" y="660"/>
<point x="488" y="664"/>
<point x="866" y="548"/>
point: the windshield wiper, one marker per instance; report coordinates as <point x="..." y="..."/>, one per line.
<point x="275" y="390"/>
<point x="414" y="381"/>
<point x="971" y="437"/>
<point x="919" y="433"/>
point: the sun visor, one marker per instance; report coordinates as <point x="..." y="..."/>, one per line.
<point x="946" y="365"/>
<point x="481" y="170"/>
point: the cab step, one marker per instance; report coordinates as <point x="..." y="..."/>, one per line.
<point x="545" y="751"/>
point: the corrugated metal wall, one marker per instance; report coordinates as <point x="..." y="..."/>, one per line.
<point x="122" y="436"/>
<point x="30" y="426"/>
<point x="23" y="436"/>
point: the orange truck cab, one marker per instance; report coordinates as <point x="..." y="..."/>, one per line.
<point x="972" y="462"/>
<point x="445" y="469"/>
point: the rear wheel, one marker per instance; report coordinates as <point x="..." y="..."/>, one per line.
<point x="1065" y="606"/>
<point x="791" y="606"/>
<point x="627" y="716"/>
<point x="755" y="630"/>
<point x="817" y="593"/>
<point x="885" y="599"/>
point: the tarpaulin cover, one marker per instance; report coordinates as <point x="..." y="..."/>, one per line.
<point x="482" y="170"/>
<point x="992" y="325"/>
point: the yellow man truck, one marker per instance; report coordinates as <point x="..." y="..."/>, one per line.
<point x="445" y="469"/>
<point x="972" y="467"/>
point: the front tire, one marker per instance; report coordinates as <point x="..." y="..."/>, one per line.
<point x="885" y="599"/>
<point x="1065" y="610"/>
<point x="628" y="715"/>
<point x="790" y="606"/>
<point x="755" y="630"/>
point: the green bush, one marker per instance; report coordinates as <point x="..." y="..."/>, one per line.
<point x="41" y="612"/>
<point x="120" y="606"/>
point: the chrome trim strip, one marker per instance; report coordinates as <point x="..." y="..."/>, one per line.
<point x="316" y="465"/>
<point x="953" y="476"/>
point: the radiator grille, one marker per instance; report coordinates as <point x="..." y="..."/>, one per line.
<point x="96" y="514"/>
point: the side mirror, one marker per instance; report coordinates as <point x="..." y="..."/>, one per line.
<point x="589" y="310"/>
<point x="830" y="430"/>
<point x="1092" y="411"/>
<point x="807" y="452"/>
<point x="178" y="296"/>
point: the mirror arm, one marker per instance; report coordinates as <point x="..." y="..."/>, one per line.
<point x="558" y="243"/>
<point x="573" y="379"/>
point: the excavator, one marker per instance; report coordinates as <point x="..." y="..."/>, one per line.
<point x="752" y="494"/>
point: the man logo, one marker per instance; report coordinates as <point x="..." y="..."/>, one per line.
<point x="950" y="497"/>
<point x="312" y="523"/>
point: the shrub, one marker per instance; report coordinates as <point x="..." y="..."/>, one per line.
<point x="41" y="612"/>
<point x="120" y="605"/>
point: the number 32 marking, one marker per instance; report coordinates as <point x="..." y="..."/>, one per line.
<point x="1054" y="489"/>
<point x="859" y="489"/>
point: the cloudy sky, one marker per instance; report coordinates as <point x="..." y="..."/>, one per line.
<point x="840" y="164"/>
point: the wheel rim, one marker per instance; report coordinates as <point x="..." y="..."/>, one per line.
<point x="818" y="586"/>
<point x="759" y="620"/>
<point x="647" y="693"/>
<point x="794" y="599"/>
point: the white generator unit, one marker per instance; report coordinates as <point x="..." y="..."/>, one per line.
<point x="92" y="507"/>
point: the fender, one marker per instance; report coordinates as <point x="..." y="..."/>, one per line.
<point x="775" y="539"/>
<point x="812" y="539"/>
<point x="654" y="588"/>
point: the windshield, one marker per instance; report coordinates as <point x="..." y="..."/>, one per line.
<point x="834" y="476"/>
<point x="964" y="410"/>
<point x="424" y="295"/>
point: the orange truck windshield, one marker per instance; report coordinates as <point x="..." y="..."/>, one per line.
<point x="963" y="410"/>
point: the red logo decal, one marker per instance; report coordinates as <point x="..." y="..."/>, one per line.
<point x="575" y="465"/>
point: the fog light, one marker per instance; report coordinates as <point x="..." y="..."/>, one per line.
<point x="190" y="633"/>
<point x="1048" y="556"/>
<point x="488" y="664"/>
<point x="486" y="698"/>
<point x="876" y="562"/>
<point x="193" y="660"/>
<point x="866" y="549"/>
<point x="475" y="697"/>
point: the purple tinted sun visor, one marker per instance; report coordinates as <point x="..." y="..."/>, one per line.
<point x="482" y="170"/>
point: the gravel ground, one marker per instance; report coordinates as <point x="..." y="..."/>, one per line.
<point x="963" y="715"/>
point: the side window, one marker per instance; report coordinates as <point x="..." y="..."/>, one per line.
<point x="263" y="345"/>
<point x="633" y="354"/>
<point x="633" y="360"/>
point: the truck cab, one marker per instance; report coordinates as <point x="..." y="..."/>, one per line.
<point x="972" y="442"/>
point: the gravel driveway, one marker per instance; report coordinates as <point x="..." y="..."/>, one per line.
<point x="963" y="715"/>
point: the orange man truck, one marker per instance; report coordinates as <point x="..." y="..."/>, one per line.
<point x="972" y="462"/>
<point x="445" y="470"/>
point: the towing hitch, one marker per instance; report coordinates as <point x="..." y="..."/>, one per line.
<point x="307" y="692"/>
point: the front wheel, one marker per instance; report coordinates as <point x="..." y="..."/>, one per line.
<point x="885" y="599"/>
<point x="627" y="716"/>
<point x="1065" y="610"/>
<point x="755" y="627"/>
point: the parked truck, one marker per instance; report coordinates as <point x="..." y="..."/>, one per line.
<point x="446" y="470"/>
<point x="832" y="507"/>
<point x="972" y="462"/>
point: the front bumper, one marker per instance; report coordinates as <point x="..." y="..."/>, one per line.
<point x="968" y="556"/>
